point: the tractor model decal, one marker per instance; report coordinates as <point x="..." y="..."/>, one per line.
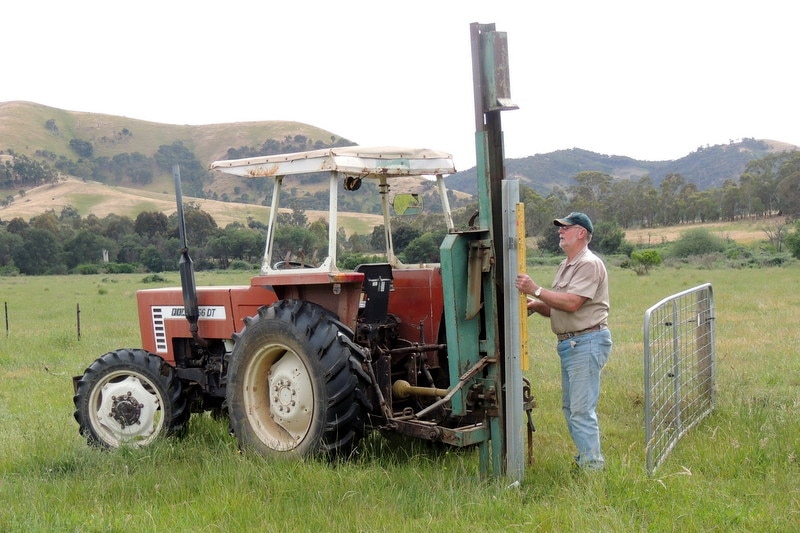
<point x="173" y="312"/>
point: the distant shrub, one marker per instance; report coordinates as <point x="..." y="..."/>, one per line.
<point x="348" y="261"/>
<point x="641" y="261"/>
<point x="698" y="241"/>
<point x="626" y="248"/>
<point x="9" y="270"/>
<point x="608" y="238"/>
<point x="87" y="268"/>
<point x="120" y="268"/>
<point x="154" y="278"/>
<point x="774" y="260"/>
<point x="793" y="241"/>
<point x="238" y="264"/>
<point x="738" y="252"/>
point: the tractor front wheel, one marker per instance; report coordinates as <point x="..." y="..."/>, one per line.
<point x="129" y="397"/>
<point x="295" y="386"/>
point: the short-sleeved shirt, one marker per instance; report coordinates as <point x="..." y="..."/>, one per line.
<point x="585" y="276"/>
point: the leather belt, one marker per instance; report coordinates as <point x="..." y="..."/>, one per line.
<point x="565" y="336"/>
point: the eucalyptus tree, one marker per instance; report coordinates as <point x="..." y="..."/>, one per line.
<point x="789" y="184"/>
<point x="591" y="193"/>
<point x="759" y="181"/>
<point x="731" y="200"/>
<point x="670" y="189"/>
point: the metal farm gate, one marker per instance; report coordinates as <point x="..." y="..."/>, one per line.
<point x="679" y="368"/>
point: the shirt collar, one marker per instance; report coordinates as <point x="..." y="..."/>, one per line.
<point x="580" y="254"/>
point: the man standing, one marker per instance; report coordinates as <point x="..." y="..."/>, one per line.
<point x="577" y="305"/>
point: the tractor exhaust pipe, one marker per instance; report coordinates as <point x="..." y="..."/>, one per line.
<point x="186" y="266"/>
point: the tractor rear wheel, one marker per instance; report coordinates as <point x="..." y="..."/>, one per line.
<point x="129" y="397"/>
<point x="295" y="387"/>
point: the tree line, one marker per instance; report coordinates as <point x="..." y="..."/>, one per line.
<point x="65" y="242"/>
<point x="768" y="186"/>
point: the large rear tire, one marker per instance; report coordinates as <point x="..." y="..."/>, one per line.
<point x="129" y="397"/>
<point x="295" y="387"/>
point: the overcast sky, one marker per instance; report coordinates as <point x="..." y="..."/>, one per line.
<point x="652" y="80"/>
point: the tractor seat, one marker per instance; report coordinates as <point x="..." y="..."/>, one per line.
<point x="376" y="288"/>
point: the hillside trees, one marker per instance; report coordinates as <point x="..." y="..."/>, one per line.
<point x="141" y="169"/>
<point x="193" y="173"/>
<point x="765" y="186"/>
<point x="26" y="172"/>
<point x="84" y="149"/>
<point x="135" y="167"/>
<point x="289" y="144"/>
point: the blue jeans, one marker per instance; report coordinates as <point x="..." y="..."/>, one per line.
<point x="582" y="359"/>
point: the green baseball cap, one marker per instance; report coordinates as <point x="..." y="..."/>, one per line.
<point x="575" y="219"/>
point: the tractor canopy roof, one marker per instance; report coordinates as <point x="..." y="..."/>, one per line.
<point x="361" y="161"/>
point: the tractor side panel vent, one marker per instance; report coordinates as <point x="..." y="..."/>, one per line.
<point x="159" y="329"/>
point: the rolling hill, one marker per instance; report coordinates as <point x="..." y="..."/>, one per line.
<point x="26" y="127"/>
<point x="88" y="197"/>
<point x="33" y="129"/>
<point x="707" y="167"/>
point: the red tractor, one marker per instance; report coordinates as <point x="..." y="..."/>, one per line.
<point x="310" y="355"/>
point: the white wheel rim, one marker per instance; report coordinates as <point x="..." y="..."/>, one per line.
<point x="279" y="397"/>
<point x="126" y="409"/>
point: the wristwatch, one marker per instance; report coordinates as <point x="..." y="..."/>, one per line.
<point x="537" y="292"/>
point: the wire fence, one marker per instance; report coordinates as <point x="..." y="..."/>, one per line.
<point x="679" y="369"/>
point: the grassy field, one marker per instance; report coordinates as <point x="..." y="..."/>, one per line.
<point x="738" y="471"/>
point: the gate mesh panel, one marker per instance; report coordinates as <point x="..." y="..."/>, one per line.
<point x="679" y="360"/>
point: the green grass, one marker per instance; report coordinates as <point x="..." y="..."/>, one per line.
<point x="738" y="471"/>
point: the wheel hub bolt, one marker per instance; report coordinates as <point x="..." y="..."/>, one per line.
<point x="126" y="410"/>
